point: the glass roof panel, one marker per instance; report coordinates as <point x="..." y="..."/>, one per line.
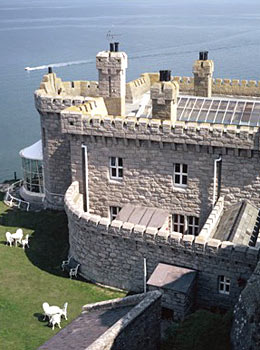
<point x="182" y="101"/>
<point x="245" y="118"/>
<point x="223" y="105"/>
<point x="236" y="118"/>
<point x="211" y="116"/>
<point x="218" y="110"/>
<point x="198" y="103"/>
<point x="179" y="112"/>
<point x="186" y="114"/>
<point x="207" y="104"/>
<point x="202" y="115"/>
<point x="255" y="119"/>
<point x="215" y="104"/>
<point x="194" y="115"/>
<point x="190" y="103"/>
<point x="228" y="118"/>
<point x="219" y="117"/>
<point x="232" y="105"/>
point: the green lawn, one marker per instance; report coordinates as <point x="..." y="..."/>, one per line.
<point x="29" y="278"/>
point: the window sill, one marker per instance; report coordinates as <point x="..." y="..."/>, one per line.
<point x="116" y="181"/>
<point x="180" y="188"/>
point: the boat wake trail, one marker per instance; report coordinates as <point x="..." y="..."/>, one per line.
<point x="62" y="64"/>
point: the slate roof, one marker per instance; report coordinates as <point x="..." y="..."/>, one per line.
<point x="171" y="277"/>
<point x="239" y="224"/>
<point x="152" y="217"/>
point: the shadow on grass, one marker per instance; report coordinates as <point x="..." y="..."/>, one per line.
<point x="40" y="317"/>
<point x="49" y="238"/>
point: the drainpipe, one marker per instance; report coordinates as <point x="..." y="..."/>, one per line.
<point x="145" y="275"/>
<point x="215" y="180"/>
<point x="85" y="178"/>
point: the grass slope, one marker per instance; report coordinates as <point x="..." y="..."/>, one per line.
<point x="30" y="277"/>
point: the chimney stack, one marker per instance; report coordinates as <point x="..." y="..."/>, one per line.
<point x="111" y="67"/>
<point x="203" y="70"/>
<point x="164" y="95"/>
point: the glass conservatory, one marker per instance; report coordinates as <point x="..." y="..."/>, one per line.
<point x="33" y="187"/>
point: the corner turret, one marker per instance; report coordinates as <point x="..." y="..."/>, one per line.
<point x="203" y="69"/>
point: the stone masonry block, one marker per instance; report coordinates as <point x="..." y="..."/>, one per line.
<point x="188" y="240"/>
<point x="252" y="255"/>
<point x="162" y="236"/>
<point x="94" y="219"/>
<point x="116" y="224"/>
<point x="200" y="243"/>
<point x="104" y="222"/>
<point x="150" y="234"/>
<point x="139" y="231"/>
<point x="213" y="245"/>
<point x="175" y="238"/>
<point x="127" y="229"/>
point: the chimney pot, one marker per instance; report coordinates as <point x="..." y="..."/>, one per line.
<point x="111" y="47"/>
<point x="116" y="47"/>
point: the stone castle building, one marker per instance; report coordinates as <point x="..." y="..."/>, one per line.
<point x="162" y="168"/>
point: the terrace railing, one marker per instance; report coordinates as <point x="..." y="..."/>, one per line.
<point x="11" y="200"/>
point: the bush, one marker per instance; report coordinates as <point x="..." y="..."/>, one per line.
<point x="202" y="330"/>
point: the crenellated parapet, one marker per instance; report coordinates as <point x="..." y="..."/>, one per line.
<point x="55" y="95"/>
<point x="222" y="87"/>
<point x="212" y="221"/>
<point x="136" y="88"/>
<point x="187" y="244"/>
<point x="77" y="121"/>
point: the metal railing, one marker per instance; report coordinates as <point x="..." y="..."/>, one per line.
<point x="11" y="200"/>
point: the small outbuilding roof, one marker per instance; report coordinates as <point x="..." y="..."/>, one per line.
<point x="33" y="152"/>
<point x="152" y="217"/>
<point x="172" y="277"/>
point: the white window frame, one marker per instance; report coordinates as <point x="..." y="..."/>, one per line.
<point x="193" y="226"/>
<point x="224" y="285"/>
<point x="116" y="167"/>
<point x="113" y="211"/>
<point x="182" y="175"/>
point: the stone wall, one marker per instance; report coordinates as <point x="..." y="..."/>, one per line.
<point x="245" y="334"/>
<point x="113" y="254"/>
<point x="148" y="164"/>
<point x="56" y="160"/>
<point x="139" y="329"/>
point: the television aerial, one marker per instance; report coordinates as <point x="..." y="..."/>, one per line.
<point x="111" y="36"/>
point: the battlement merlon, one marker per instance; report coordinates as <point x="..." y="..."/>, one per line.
<point x="73" y="121"/>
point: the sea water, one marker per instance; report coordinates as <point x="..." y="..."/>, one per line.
<point x="164" y="34"/>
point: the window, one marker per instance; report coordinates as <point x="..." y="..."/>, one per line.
<point x="113" y="212"/>
<point x="32" y="175"/>
<point x="116" y="168"/>
<point x="185" y="224"/>
<point x="178" y="223"/>
<point x="180" y="175"/>
<point x="224" y="285"/>
<point x="193" y="225"/>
